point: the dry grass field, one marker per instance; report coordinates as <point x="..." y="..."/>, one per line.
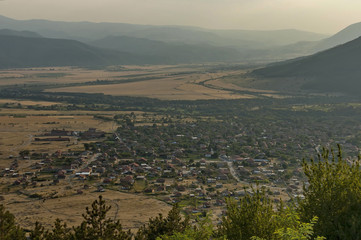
<point x="58" y="75"/>
<point x="132" y="210"/>
<point x="28" y="103"/>
<point x="168" y="87"/>
<point x="173" y="82"/>
<point x="19" y="127"/>
<point x="78" y="75"/>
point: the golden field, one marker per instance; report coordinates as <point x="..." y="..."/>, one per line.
<point x="131" y="209"/>
<point x="19" y="127"/>
<point x="165" y="89"/>
<point x="61" y="75"/>
<point x="173" y="82"/>
<point x="161" y="82"/>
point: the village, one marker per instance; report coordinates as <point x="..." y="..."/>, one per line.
<point x="195" y="164"/>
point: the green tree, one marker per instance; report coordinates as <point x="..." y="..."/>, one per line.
<point x="60" y="231"/>
<point x="253" y="215"/>
<point x="38" y="233"/>
<point x="333" y="195"/>
<point x="203" y="230"/>
<point x="24" y="153"/>
<point x="290" y="226"/>
<point x="302" y="231"/>
<point x="159" y="225"/>
<point x="96" y="225"/>
<point x="8" y="228"/>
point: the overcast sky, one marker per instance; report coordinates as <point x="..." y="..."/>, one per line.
<point x="324" y="16"/>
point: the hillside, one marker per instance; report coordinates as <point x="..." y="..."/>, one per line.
<point x="9" y="32"/>
<point x="313" y="45"/>
<point x="347" y="34"/>
<point x="88" y="31"/>
<point x="272" y="38"/>
<point x="36" y="52"/>
<point x="334" y="70"/>
<point x="19" y="52"/>
<point x="169" y="52"/>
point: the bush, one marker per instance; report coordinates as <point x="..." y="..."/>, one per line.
<point x="334" y="196"/>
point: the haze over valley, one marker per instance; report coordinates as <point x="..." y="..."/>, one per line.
<point x="180" y="120"/>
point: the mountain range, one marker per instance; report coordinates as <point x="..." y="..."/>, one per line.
<point x="88" y="31"/>
<point x="334" y="70"/>
<point x="19" y="52"/>
<point x="33" y="43"/>
<point x="27" y="49"/>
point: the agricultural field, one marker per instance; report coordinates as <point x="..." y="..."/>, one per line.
<point x="161" y="82"/>
<point x="19" y="128"/>
<point x="69" y="75"/>
<point x="26" y="103"/>
<point x="61" y="75"/>
<point x="165" y="89"/>
<point x="173" y="82"/>
<point x="132" y="210"/>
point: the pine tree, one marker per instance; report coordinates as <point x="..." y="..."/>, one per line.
<point x="8" y="228"/>
<point x="96" y="225"/>
<point x="159" y="225"/>
<point x="38" y="233"/>
<point x="60" y="231"/>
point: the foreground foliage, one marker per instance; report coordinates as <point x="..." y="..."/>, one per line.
<point x="8" y="228"/>
<point x="95" y="226"/>
<point x="163" y="226"/>
<point x="253" y="215"/>
<point x="334" y="196"/>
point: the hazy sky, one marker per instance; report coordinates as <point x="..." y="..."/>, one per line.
<point x="325" y="16"/>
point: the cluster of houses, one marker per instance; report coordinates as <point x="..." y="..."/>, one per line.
<point x="186" y="162"/>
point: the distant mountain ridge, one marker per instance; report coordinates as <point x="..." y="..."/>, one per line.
<point x="9" y="32"/>
<point x="122" y="43"/>
<point x="333" y="70"/>
<point x="88" y="31"/>
<point x="310" y="47"/>
<point x="170" y="52"/>
<point x="19" y="52"/>
<point x="345" y="35"/>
